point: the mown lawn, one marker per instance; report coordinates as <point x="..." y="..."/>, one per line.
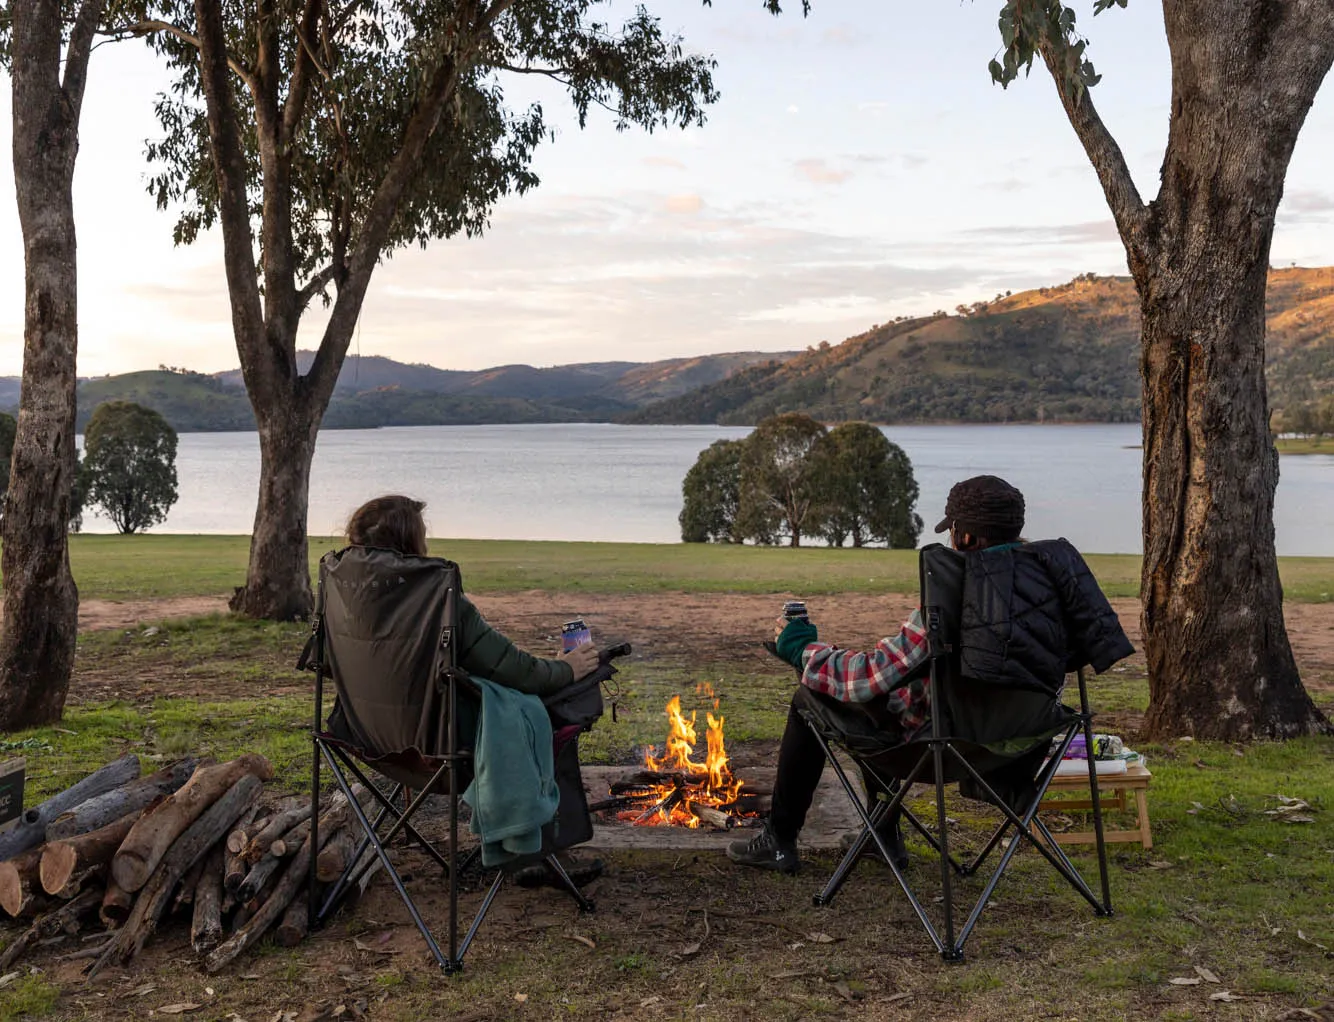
<point x="1227" y="888"/>
<point x="150" y="567"/>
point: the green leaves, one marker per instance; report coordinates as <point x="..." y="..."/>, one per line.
<point x="129" y="467"/>
<point x="1029" y="28"/>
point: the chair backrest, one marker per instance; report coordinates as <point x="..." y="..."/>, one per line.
<point x="388" y="625"/>
<point x="1000" y="641"/>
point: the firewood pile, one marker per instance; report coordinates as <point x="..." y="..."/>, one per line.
<point x="124" y="851"/>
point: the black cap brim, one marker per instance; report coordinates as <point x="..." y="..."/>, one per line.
<point x="944" y="524"/>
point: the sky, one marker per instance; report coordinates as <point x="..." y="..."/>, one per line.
<point x="859" y="165"/>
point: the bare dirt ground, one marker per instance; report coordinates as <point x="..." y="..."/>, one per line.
<point x="710" y="627"/>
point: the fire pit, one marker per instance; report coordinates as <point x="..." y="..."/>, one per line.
<point x="675" y="790"/>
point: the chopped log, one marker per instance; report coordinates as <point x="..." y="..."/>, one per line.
<point x="336" y="812"/>
<point x="62" y="861"/>
<point x="336" y="854"/>
<point x="64" y="919"/>
<point x="279" y="824"/>
<point x="258" y="876"/>
<point x="116" y="904"/>
<point x="156" y="831"/>
<point x="241" y="833"/>
<point x="30" y="829"/>
<point x="234" y="867"/>
<point x="240" y="918"/>
<point x="292" y="882"/>
<point x="19" y="882"/>
<point x="185" y="890"/>
<point x="208" y="829"/>
<point x="206" y="926"/>
<point x="296" y="920"/>
<point x="114" y="805"/>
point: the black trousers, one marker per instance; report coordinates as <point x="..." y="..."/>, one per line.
<point x="801" y="761"/>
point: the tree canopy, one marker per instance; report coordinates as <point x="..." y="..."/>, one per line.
<point x="129" y="468"/>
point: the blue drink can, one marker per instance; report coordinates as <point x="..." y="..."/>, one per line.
<point x="794" y="609"/>
<point x="574" y="633"/>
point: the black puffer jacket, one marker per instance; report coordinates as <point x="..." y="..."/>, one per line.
<point x="1033" y="612"/>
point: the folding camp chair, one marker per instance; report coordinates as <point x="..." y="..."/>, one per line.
<point x="384" y="631"/>
<point x="1000" y="744"/>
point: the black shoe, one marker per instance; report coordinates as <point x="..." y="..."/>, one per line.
<point x="765" y="851"/>
<point x="893" y="839"/>
<point x="580" y="871"/>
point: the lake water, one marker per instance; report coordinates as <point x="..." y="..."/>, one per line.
<point x="605" y="482"/>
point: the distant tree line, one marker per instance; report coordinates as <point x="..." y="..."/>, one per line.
<point x="1313" y="418"/>
<point x="793" y="478"/>
<point x="127" y="470"/>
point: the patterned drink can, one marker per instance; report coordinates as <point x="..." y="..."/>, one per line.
<point x="574" y="633"/>
<point x="794" y="609"/>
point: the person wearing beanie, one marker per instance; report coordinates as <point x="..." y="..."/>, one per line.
<point x="890" y="684"/>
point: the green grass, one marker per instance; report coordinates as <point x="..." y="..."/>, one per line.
<point x="161" y="730"/>
<point x="151" y="567"/>
<point x="1305" y="445"/>
<point x="29" y="997"/>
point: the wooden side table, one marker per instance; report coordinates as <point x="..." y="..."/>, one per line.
<point x="1115" y="792"/>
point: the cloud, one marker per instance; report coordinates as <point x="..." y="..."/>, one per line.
<point x="689" y="203"/>
<point x="671" y="163"/>
<point x="819" y="172"/>
<point x="1306" y="206"/>
<point x="1091" y="231"/>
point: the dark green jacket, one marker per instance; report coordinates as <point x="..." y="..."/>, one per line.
<point x="486" y="653"/>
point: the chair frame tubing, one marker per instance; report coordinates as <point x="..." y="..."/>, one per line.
<point x="340" y="760"/>
<point x="940" y="753"/>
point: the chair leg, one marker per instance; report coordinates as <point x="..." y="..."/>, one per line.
<point x="580" y="899"/>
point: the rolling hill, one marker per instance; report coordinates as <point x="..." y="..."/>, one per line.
<point x="1067" y="353"/>
<point x="376" y="391"/>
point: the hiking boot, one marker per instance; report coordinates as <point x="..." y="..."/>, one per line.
<point x="766" y="851"/>
<point x="580" y="871"/>
<point x="893" y="838"/>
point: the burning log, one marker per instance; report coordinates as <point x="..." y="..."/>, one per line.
<point x="664" y="806"/>
<point x="708" y="814"/>
<point x="30" y="830"/>
<point x="20" y="892"/>
<point x="279" y="824"/>
<point x="206" y="924"/>
<point x="157" y="831"/>
<point x="208" y="828"/>
<point x="66" y="863"/>
<point x="114" y="805"/>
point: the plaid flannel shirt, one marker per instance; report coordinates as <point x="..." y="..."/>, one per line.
<point x="893" y="670"/>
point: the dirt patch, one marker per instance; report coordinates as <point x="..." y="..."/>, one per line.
<point x="702" y="627"/>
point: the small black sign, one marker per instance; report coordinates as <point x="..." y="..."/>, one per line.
<point x="12" y="776"/>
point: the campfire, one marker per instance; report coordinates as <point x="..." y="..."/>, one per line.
<point x="677" y="790"/>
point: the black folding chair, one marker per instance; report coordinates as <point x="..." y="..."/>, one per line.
<point x="391" y="654"/>
<point x="999" y="744"/>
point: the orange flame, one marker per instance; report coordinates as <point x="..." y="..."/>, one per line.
<point x="711" y="783"/>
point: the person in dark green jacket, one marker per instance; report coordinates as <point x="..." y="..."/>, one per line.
<point x="394" y="523"/>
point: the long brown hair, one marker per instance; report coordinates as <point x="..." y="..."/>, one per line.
<point x="392" y="522"/>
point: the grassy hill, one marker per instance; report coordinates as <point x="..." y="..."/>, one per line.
<point x="376" y="391"/>
<point x="1067" y="353"/>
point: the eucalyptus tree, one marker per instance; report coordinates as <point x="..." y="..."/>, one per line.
<point x="321" y="136"/>
<point x="129" y="466"/>
<point x="45" y="46"/>
<point x="870" y="489"/>
<point x="710" y="495"/>
<point x="1244" y="76"/>
<point x="783" y="479"/>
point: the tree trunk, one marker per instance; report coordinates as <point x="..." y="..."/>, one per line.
<point x="41" y="601"/>
<point x="1244" y="76"/>
<point x="1220" y="665"/>
<point x="278" y="578"/>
